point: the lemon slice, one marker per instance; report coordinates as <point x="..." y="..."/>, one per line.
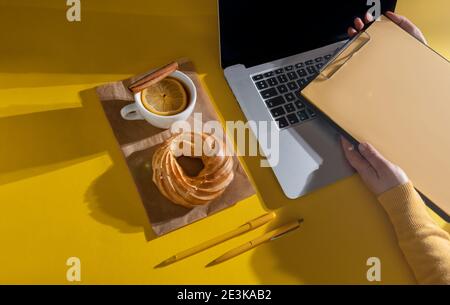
<point x="167" y="97"/>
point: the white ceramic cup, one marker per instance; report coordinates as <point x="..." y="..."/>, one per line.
<point x="137" y="111"/>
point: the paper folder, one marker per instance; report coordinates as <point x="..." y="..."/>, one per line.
<point x="389" y="89"/>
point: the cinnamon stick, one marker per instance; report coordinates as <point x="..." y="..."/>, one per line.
<point x="153" y="77"/>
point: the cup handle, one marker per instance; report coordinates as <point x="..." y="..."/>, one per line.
<point x="130" y="112"/>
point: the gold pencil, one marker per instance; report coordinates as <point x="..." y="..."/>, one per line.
<point x="248" y="226"/>
<point x="256" y="242"/>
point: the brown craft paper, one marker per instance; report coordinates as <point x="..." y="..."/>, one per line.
<point x="138" y="140"/>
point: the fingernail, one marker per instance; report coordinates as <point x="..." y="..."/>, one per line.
<point x="362" y="147"/>
<point x="389" y="13"/>
<point x="369" y="17"/>
<point x="351" y="148"/>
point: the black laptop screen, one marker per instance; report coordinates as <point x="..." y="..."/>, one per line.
<point x="253" y="32"/>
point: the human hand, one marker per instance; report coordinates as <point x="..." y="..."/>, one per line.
<point x="401" y="21"/>
<point x="378" y="174"/>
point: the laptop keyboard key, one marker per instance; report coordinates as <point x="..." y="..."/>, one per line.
<point x="279" y="71"/>
<point x="268" y="74"/>
<point x="292" y="86"/>
<point x="299" y="105"/>
<point x="290" y="97"/>
<point x="275" y="102"/>
<point x="299" y="65"/>
<point x="261" y="85"/>
<point x="268" y="93"/>
<point x="302" y="73"/>
<point x="312" y="113"/>
<point x="292" y="118"/>
<point x="282" y="122"/>
<point x="282" y="79"/>
<point x="289" y="68"/>
<point x="272" y="82"/>
<point x="289" y="108"/>
<point x="292" y="75"/>
<point x="319" y="59"/>
<point x="282" y="89"/>
<point x="319" y="66"/>
<point x="302" y="82"/>
<point x="309" y="62"/>
<point x="258" y="77"/>
<point x="302" y="115"/>
<point x="279" y="111"/>
<point x="311" y="70"/>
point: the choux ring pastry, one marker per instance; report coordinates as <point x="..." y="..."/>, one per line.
<point x="184" y="190"/>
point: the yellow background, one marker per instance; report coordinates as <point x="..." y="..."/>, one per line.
<point x="64" y="187"/>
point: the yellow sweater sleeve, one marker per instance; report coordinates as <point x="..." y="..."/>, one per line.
<point x="425" y="245"/>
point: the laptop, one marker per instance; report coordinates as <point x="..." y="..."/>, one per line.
<point x="269" y="51"/>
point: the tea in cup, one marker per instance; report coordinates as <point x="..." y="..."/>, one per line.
<point x="172" y="99"/>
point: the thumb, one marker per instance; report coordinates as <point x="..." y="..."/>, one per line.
<point x="399" y="19"/>
<point x="407" y="25"/>
<point x="376" y="160"/>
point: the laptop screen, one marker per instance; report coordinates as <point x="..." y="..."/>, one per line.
<point x="253" y="32"/>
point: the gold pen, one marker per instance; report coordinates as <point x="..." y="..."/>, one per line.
<point x="256" y="242"/>
<point x="248" y="226"/>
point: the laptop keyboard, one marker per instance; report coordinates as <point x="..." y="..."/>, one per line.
<point x="280" y="89"/>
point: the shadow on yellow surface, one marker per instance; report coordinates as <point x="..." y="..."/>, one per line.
<point x="112" y="196"/>
<point x="45" y="141"/>
<point x="332" y="246"/>
<point x="110" y="203"/>
<point x="103" y="43"/>
<point x="107" y="40"/>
